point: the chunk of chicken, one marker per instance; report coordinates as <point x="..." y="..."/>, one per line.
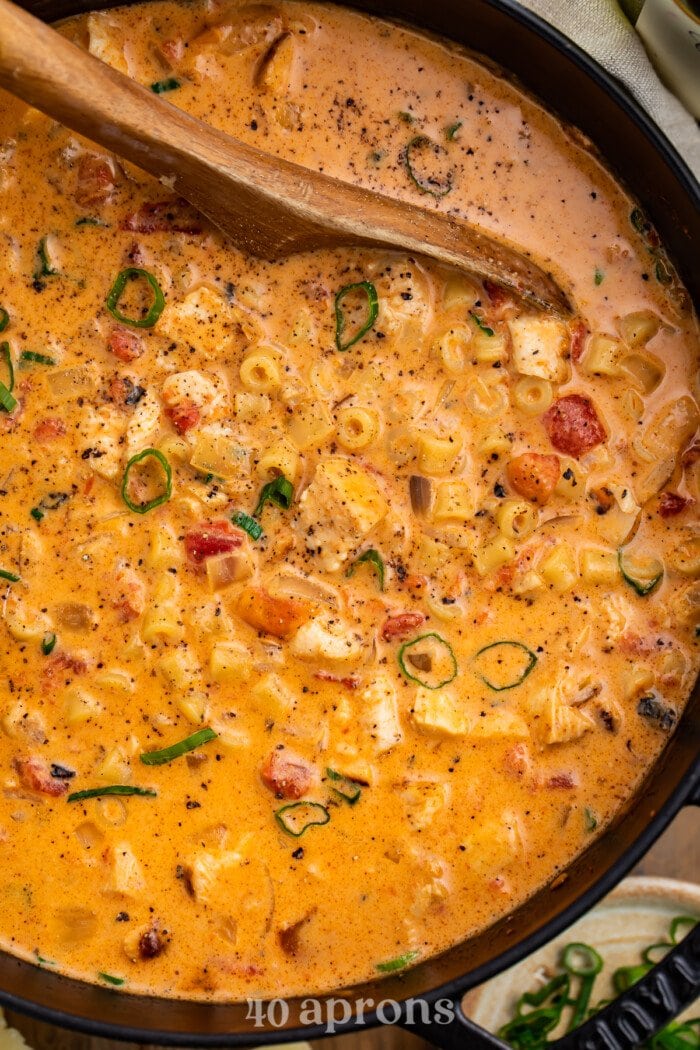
<point x="539" y="346"/>
<point x="340" y="507"/>
<point x="327" y="638"/>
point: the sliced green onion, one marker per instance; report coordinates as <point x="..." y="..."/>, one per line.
<point x="89" y="220"/>
<point x="452" y="129"/>
<point x="642" y="574"/>
<point x="373" y="558"/>
<point x="4" y="318"/>
<point x="42" y="961"/>
<point x="143" y="508"/>
<point x="48" y="643"/>
<point x="115" y="294"/>
<point x="7" y="401"/>
<point x="590" y="818"/>
<point x="161" y="86"/>
<point x="626" y="976"/>
<point x="480" y="324"/>
<point x="639" y="220"/>
<point x="431" y="661"/>
<point x="399" y="963"/>
<point x="529" y="1028"/>
<point x="406" y="117"/>
<point x="112" y="789"/>
<point x="656" y="952"/>
<point x="598" y="276"/>
<point x="37" y="513"/>
<point x="436" y="185"/>
<point x="7" y="355"/>
<point x="45" y="267"/>
<point x="663" y="272"/>
<point x="678" y="923"/>
<point x="344" y="786"/>
<point x="368" y="289"/>
<point x="11" y="577"/>
<point x="581" y="960"/>
<point x="280" y="491"/>
<point x="30" y="357"/>
<point x="528" y="661"/>
<point x="109" y="978"/>
<point x="248" y="524"/>
<point x="159" y="758"/>
<point x="297" y="817"/>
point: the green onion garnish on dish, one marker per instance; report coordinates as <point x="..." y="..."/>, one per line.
<point x="346" y="787"/>
<point x="643" y="574"/>
<point x="48" y="643"/>
<point x="31" y="357"/>
<point x="428" y="660"/>
<point x="481" y="325"/>
<point x="4" y="318"/>
<point x="452" y="129"/>
<point x="298" y="817"/>
<point x="7" y="401"/>
<point x="6" y="355"/>
<point x="160" y="87"/>
<point x="425" y="163"/>
<point x="508" y="664"/>
<point x="373" y="558"/>
<point x="11" y="577"/>
<point x="89" y="220"/>
<point x="280" y="492"/>
<point x="167" y="754"/>
<point x="399" y="963"/>
<point x="45" y="265"/>
<point x="369" y="292"/>
<point x="117" y="290"/>
<point x="109" y="978"/>
<point x="248" y="524"/>
<point x="37" y="513"/>
<point x="123" y="790"/>
<point x="143" y="508"/>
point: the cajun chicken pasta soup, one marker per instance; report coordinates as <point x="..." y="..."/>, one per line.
<point x="345" y="598"/>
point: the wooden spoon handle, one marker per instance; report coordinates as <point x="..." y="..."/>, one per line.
<point x="268" y="206"/>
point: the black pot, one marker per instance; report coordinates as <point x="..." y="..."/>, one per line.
<point x="579" y="91"/>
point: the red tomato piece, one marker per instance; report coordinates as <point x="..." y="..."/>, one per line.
<point x="401" y="624"/>
<point x="573" y="426"/>
<point x="284" y="777"/>
<point x="216" y="537"/>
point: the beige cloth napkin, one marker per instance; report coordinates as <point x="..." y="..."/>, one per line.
<point x="601" y="29"/>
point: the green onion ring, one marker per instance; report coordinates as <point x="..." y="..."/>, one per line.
<point x="372" y="313"/>
<point x="167" y="754"/>
<point x="143" y="508"/>
<point x="117" y="289"/>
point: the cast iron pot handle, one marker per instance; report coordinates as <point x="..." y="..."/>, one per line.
<point x="625" y="1024"/>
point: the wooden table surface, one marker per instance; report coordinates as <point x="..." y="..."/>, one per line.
<point x="676" y="855"/>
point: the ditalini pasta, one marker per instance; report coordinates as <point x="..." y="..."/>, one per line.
<point x="344" y="599"/>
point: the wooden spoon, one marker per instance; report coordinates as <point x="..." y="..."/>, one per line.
<point x="268" y="207"/>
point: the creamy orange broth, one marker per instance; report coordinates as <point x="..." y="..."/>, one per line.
<point x="537" y="449"/>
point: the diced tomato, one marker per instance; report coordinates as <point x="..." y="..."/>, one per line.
<point x="286" y="778"/>
<point x="534" y="476"/>
<point x="184" y="416"/>
<point x="562" y="780"/>
<point x="573" y="426"/>
<point x="348" y="681"/>
<point x="36" y="775"/>
<point x="62" y="667"/>
<point x="216" y="537"/>
<point x="670" y="504"/>
<point x="125" y="345"/>
<point x="164" y="217"/>
<point x="401" y="624"/>
<point x="96" y="180"/>
<point x="49" y="429"/>
<point x="578" y="340"/>
<point x="274" y="614"/>
<point x="497" y="294"/>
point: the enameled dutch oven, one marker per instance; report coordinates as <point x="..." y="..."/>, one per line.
<point x="576" y="89"/>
